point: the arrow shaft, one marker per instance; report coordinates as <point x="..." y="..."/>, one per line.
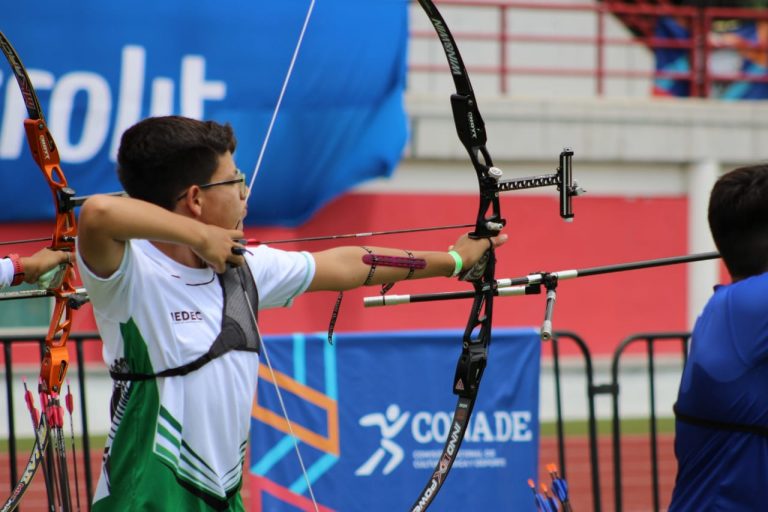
<point x="253" y="241"/>
<point x="27" y="241"/>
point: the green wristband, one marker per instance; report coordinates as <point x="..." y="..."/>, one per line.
<point x="458" y="262"/>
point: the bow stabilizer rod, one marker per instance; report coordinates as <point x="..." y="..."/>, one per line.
<point x="532" y="283"/>
<point x="523" y="285"/>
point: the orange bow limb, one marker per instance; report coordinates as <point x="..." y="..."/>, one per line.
<point x="55" y="362"/>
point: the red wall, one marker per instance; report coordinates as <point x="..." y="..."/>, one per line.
<point x="603" y="309"/>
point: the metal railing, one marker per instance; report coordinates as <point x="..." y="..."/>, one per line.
<point x="612" y="388"/>
<point x="649" y="342"/>
<point x="592" y="390"/>
<point x="12" y="391"/>
<point x="698" y="46"/>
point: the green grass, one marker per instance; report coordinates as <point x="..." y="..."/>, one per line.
<point x="605" y="427"/>
<point x="24" y="444"/>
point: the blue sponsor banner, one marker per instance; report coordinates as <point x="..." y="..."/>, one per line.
<point x="99" y="67"/>
<point x="372" y="413"/>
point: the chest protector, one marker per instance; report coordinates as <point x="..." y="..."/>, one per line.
<point x="238" y="326"/>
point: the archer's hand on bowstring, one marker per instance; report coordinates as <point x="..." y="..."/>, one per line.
<point x="220" y="247"/>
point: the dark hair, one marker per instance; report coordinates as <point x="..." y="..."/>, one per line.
<point x="160" y="157"/>
<point x="738" y="219"/>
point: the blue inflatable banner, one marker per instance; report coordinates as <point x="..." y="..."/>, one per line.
<point x="99" y="67"/>
<point x="371" y="413"/>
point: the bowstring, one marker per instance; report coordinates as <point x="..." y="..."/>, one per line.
<point x="256" y="169"/>
<point x="280" y="97"/>
<point x="284" y="409"/>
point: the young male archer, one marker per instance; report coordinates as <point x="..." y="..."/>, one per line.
<point x="172" y="247"/>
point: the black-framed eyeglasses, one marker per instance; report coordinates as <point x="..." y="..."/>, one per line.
<point x="239" y="179"/>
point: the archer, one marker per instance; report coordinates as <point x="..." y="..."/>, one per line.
<point x="721" y="437"/>
<point x="176" y="296"/>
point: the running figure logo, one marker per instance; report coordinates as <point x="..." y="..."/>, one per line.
<point x="390" y="423"/>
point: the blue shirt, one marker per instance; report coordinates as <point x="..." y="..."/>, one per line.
<point x="725" y="380"/>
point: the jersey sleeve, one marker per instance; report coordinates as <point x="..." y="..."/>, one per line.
<point x="280" y="275"/>
<point x="110" y="295"/>
<point x="6" y="272"/>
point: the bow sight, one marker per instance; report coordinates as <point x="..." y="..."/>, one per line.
<point x="562" y="178"/>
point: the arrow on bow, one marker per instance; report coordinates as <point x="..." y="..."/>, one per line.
<point x="55" y="361"/>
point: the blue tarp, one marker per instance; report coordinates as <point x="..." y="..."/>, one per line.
<point x="100" y="66"/>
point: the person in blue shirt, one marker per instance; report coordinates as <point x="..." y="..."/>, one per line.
<point x="721" y="431"/>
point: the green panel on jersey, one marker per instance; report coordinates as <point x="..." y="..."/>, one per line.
<point x="140" y="477"/>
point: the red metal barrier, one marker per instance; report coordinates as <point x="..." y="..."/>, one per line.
<point x="640" y="18"/>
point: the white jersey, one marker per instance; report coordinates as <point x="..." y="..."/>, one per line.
<point x="154" y="314"/>
<point x="6" y="272"/>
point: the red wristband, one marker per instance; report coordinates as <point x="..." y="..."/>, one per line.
<point x="18" y="269"/>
